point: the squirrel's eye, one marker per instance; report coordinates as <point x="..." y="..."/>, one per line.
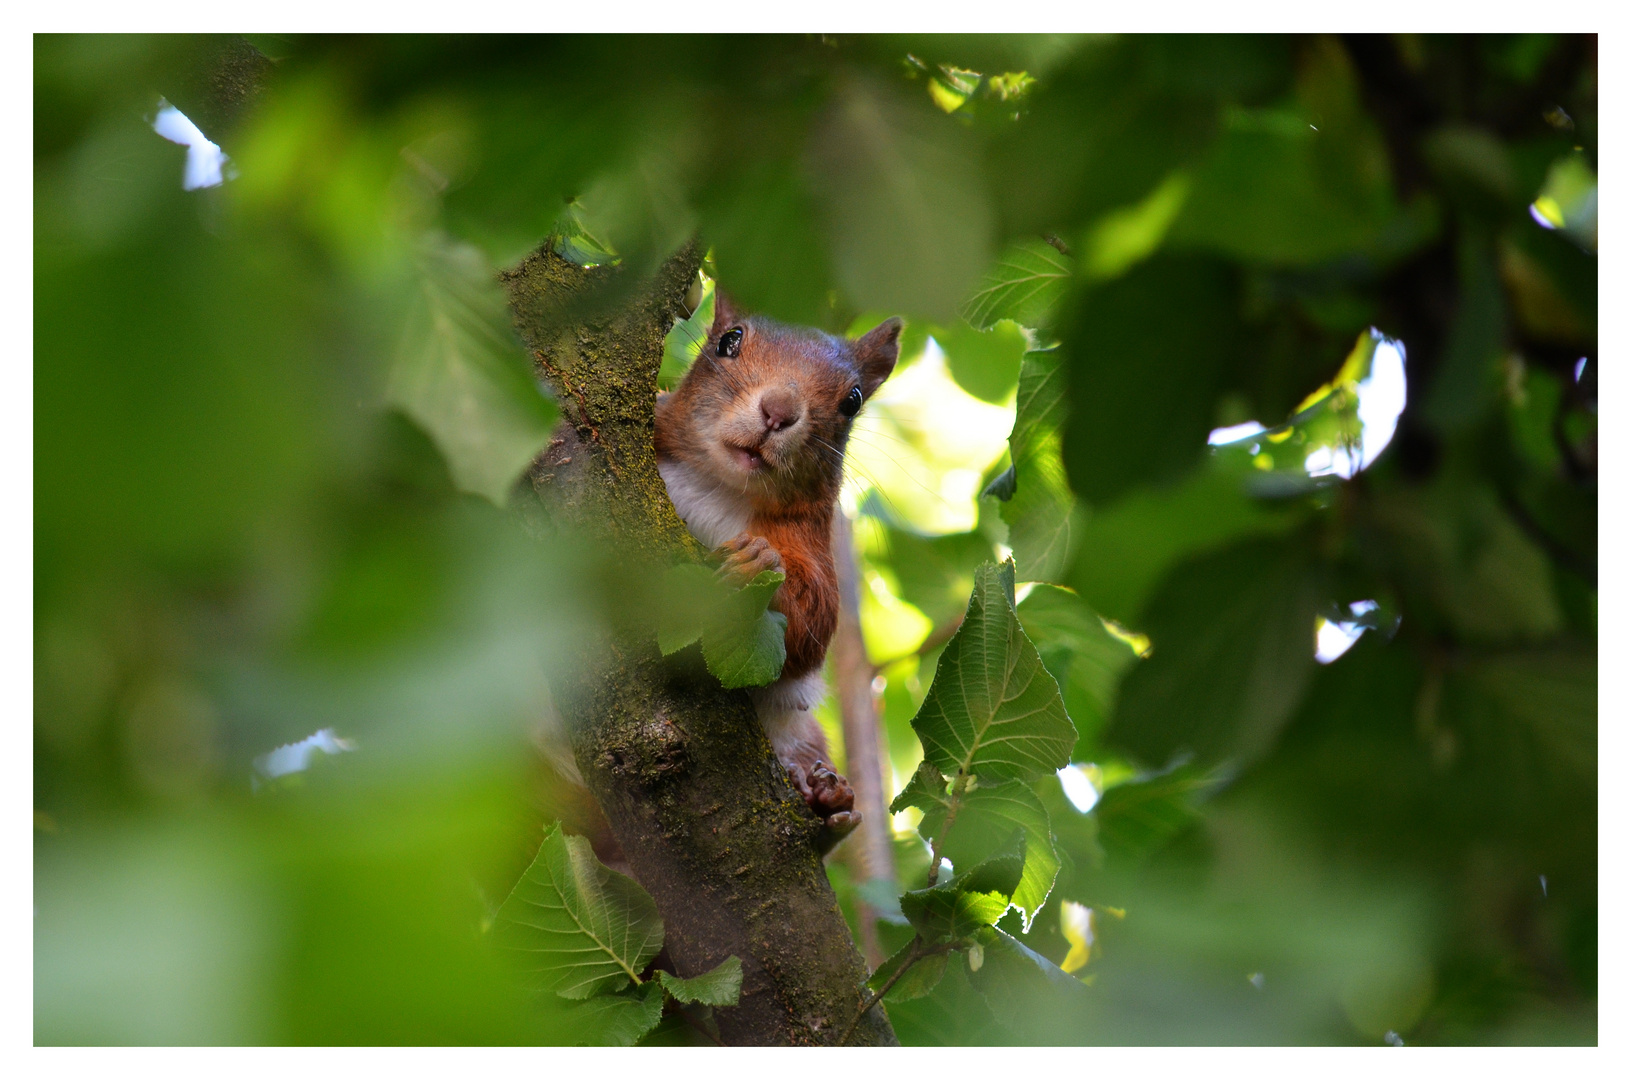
<point x="730" y="342"/>
<point x="851" y="403"/>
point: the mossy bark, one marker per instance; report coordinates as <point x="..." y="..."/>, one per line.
<point x="680" y="766"/>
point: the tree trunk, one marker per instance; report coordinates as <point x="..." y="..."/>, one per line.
<point x="681" y="768"/>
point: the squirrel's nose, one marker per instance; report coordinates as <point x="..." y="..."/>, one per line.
<point x="780" y="409"/>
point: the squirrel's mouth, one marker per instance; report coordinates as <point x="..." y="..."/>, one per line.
<point x="747" y="457"/>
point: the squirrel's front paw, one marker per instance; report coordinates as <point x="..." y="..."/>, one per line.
<point x="746" y="557"/>
<point x="832" y="799"/>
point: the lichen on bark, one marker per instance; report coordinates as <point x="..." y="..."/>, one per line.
<point x="681" y="768"/>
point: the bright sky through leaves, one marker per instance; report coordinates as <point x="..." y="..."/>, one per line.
<point x="204" y="158"/>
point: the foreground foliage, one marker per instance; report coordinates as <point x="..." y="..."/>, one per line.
<point x="280" y="423"/>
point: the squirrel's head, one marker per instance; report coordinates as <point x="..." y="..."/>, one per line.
<point x="766" y="408"/>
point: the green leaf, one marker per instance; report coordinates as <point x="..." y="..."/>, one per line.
<point x="1232" y="640"/>
<point x="985" y="363"/>
<point x="612" y="1019"/>
<point x="746" y="644"/>
<point x="743" y="642"/>
<point x="462" y="375"/>
<point x="1043" y="521"/>
<point x="1025" y="285"/>
<point x="993" y="711"/>
<point x="577" y="241"/>
<point x="720" y="987"/>
<point x="984" y="821"/>
<point x="685" y="339"/>
<point x="920" y="979"/>
<point x="580" y="928"/>
<point x="907" y="221"/>
<point x="1020" y="985"/>
<point x="949" y="913"/>
<point x="1143" y="383"/>
<point x="1125" y="549"/>
<point x="1136" y="817"/>
<point x="1083" y="657"/>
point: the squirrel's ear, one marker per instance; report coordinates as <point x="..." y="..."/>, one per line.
<point x="725" y="313"/>
<point x="877" y="350"/>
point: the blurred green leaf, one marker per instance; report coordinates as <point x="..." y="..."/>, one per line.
<point x="1025" y="286"/>
<point x="1025" y="990"/>
<point x="993" y="711"/>
<point x="1142" y="384"/>
<point x="1084" y="657"/>
<point x="618" y="1019"/>
<point x="907" y="215"/>
<point x="1126" y="548"/>
<point x="1137" y="816"/>
<point x="581" y="930"/>
<point x="461" y="373"/>
<point x="1043" y="520"/>
<point x="986" y="363"/>
<point x="720" y="987"/>
<point x="743" y="642"/>
<point x="1232" y="640"/>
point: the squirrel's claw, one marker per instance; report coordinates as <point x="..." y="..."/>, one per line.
<point x="746" y="557"/>
<point x="831" y="798"/>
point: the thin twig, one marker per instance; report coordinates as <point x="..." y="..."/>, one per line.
<point x="918" y="953"/>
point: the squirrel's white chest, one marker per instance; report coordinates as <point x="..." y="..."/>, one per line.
<point x="712" y="512"/>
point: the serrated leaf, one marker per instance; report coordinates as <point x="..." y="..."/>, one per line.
<point x="463" y="376"/>
<point x="720" y="987"/>
<point x="947" y="913"/>
<point x="1043" y="521"/>
<point x="1024" y="285"/>
<point x="993" y="710"/>
<point x="920" y="979"/>
<point x="613" y="1019"/>
<point x="580" y="928"/>
<point x="985" y="819"/>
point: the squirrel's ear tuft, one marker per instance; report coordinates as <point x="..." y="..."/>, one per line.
<point x="877" y="350"/>
<point x="725" y="313"/>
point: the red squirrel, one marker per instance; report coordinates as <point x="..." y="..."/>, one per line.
<point x="751" y="448"/>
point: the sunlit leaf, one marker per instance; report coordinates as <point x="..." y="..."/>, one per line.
<point x="993" y="710"/>
<point x="578" y="928"/>
<point x="462" y="375"/>
<point x="982" y="821"/>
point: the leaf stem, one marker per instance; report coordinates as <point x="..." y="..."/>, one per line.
<point x="920" y="951"/>
<point x="954" y="803"/>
